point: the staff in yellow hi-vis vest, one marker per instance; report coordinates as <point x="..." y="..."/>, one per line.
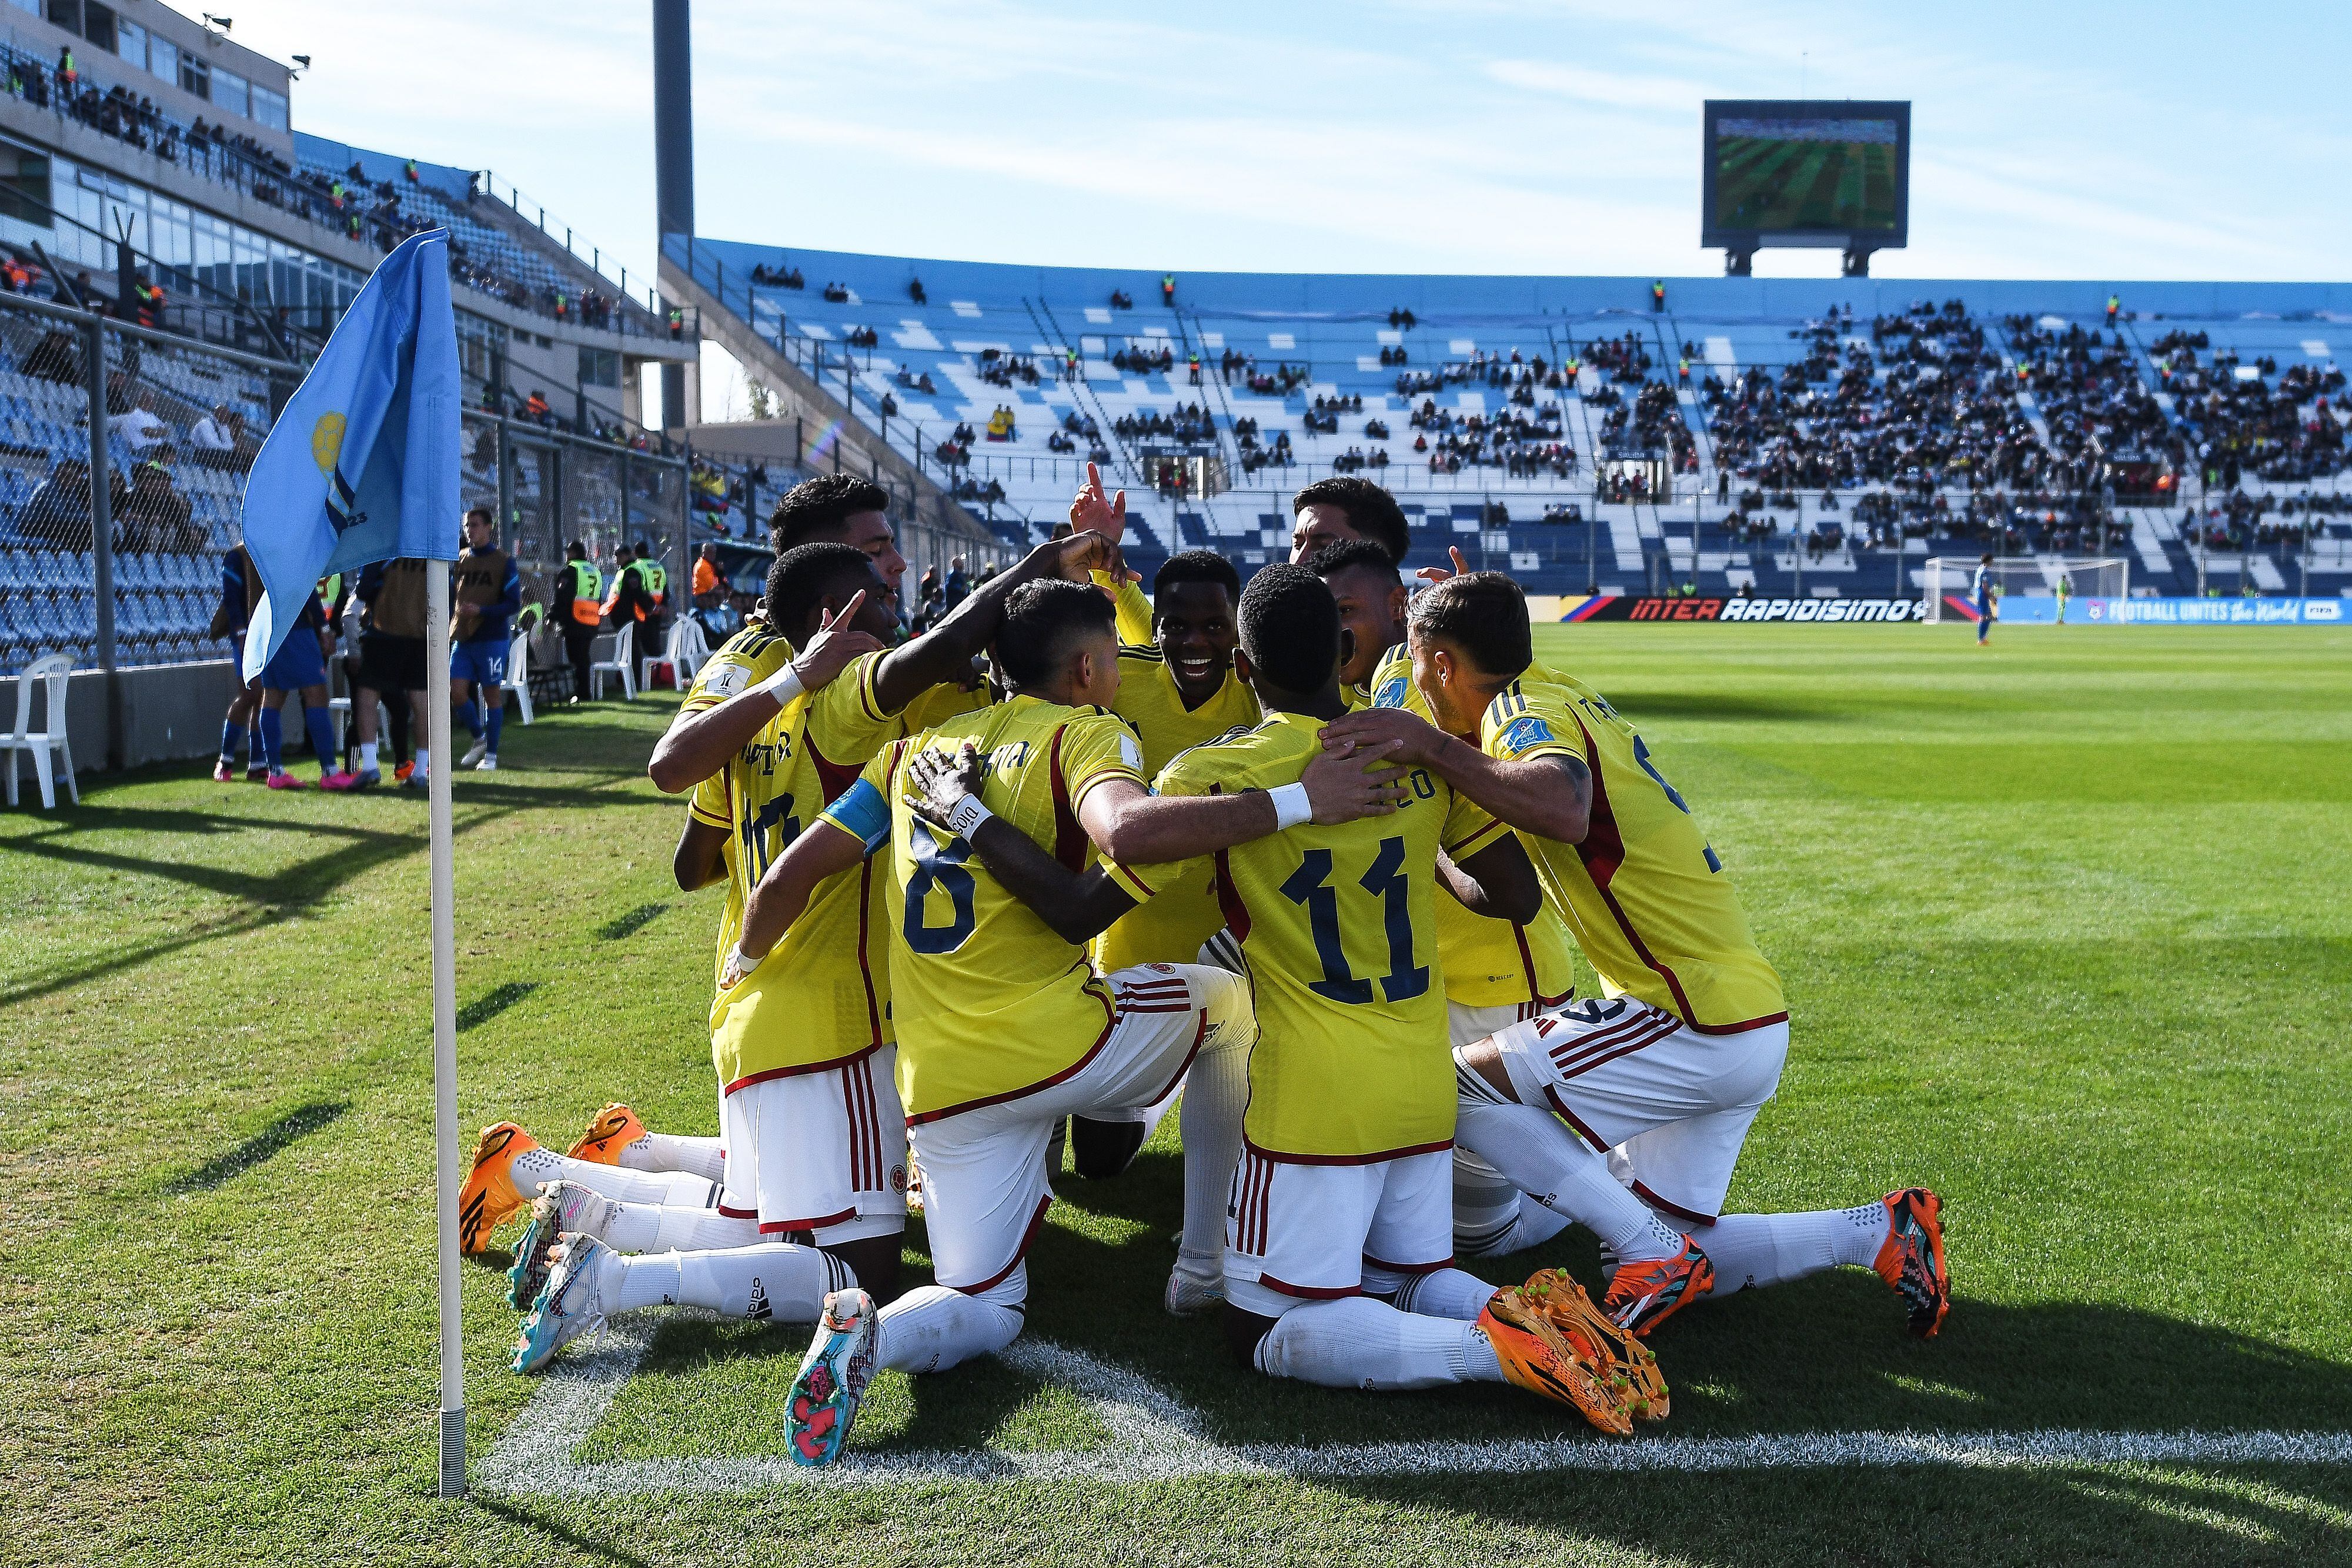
<point x="579" y="588"/>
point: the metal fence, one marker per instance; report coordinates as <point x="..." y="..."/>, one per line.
<point x="126" y="572"/>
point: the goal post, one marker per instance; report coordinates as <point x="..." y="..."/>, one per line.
<point x="1949" y="582"/>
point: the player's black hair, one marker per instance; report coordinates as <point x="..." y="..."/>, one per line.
<point x="1041" y="618"/>
<point x="804" y="575"/>
<point x="1290" y="628"/>
<point x="1348" y="555"/>
<point x="1484" y="614"/>
<point x="1197" y="566"/>
<point x="820" y="506"/>
<point x="1371" y="511"/>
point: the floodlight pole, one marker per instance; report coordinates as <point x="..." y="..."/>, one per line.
<point x="445" y="1025"/>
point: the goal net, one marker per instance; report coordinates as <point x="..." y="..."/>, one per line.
<point x="1949" y="582"/>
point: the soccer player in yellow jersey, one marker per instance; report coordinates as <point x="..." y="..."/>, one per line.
<point x="1175" y="693"/>
<point x="1339" y="1245"/>
<point x="1003" y="1026"/>
<point x="1497" y="973"/>
<point x="814" y="1134"/>
<point x="1661" y="1078"/>
<point x="1333" y="511"/>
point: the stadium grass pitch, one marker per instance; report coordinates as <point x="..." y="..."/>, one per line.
<point x="2065" y="932"/>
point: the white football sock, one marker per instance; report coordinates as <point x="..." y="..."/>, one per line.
<point x="1485" y="1205"/>
<point x="1539" y="1155"/>
<point x="1358" y="1342"/>
<point x="1217" y="1092"/>
<point x="1444" y="1293"/>
<point x="1752" y="1250"/>
<point x="705" y="1157"/>
<point x="654" y="1228"/>
<point x="367" y="757"/>
<point x="633" y="1283"/>
<point x="781" y="1279"/>
<point x="931" y="1328"/>
<point x="533" y="1166"/>
<point x="423" y="762"/>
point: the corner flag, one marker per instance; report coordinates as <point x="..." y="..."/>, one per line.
<point x="362" y="465"/>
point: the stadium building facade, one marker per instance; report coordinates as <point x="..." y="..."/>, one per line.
<point x="174" y="249"/>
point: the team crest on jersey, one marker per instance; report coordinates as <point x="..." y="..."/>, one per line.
<point x="1526" y="732"/>
<point x="726" y="680"/>
<point x="1392" y="692"/>
<point x="898" y="1178"/>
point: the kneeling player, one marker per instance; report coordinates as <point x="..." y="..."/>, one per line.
<point x="816" y="1181"/>
<point x="1662" y="1078"/>
<point x="1004" y="1029"/>
<point x="1338" y="1246"/>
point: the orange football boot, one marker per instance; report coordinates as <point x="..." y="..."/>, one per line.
<point x="610" y="1131"/>
<point x="1536" y="1357"/>
<point x="490" y="1194"/>
<point x="1628" y="1368"/>
<point x="1644" y="1295"/>
<point x="1911" y="1258"/>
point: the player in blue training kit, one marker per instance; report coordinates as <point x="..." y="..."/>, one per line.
<point x="1988" y="594"/>
<point x="489" y="595"/>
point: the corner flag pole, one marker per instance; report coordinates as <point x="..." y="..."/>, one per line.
<point x="445" y="1025"/>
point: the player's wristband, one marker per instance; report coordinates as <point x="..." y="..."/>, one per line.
<point x="966" y="818"/>
<point x="737" y="969"/>
<point x="1291" y="806"/>
<point x="784" y="685"/>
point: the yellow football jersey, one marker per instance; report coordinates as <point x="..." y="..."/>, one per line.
<point x="823" y="996"/>
<point x="1488" y="962"/>
<point x="1130" y="606"/>
<point x="743" y="662"/>
<point x="1644" y="894"/>
<point x="991" y="1003"/>
<point x="758" y="652"/>
<point x="1171" y="928"/>
<point x="1338" y="926"/>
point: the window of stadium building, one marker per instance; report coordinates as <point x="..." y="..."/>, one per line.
<point x="227" y="257"/>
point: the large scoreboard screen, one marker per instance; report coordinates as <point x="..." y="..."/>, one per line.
<point x="1807" y="172"/>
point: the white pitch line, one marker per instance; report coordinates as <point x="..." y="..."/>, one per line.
<point x="1157" y="1439"/>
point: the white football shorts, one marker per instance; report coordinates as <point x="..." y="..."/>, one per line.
<point x="1298" y="1233"/>
<point x="985" y="1191"/>
<point x="1671" y="1107"/>
<point x="823" y="1153"/>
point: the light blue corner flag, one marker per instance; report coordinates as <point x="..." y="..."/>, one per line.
<point x="361" y="465"/>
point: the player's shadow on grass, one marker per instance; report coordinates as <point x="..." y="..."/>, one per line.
<point x="1827" y="1353"/>
<point x="294" y="1126"/>
<point x="1750" y="1519"/>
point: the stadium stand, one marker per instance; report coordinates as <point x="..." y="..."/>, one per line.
<point x="1789" y="439"/>
<point x="175" y="499"/>
<point x="374" y="198"/>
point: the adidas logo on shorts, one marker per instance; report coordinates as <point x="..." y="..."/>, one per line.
<point x="759" y="1309"/>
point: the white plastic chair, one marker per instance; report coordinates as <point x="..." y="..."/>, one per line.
<point x="347" y="642"/>
<point x="686" y="654"/>
<point x="620" y="663"/>
<point x="48" y="746"/>
<point x="518" y="679"/>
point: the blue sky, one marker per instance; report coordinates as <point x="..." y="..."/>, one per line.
<point x="2157" y="141"/>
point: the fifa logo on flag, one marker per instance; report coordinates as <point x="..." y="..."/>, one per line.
<point x="326" y="447"/>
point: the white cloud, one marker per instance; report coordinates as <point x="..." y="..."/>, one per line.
<point x="1668" y="95"/>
